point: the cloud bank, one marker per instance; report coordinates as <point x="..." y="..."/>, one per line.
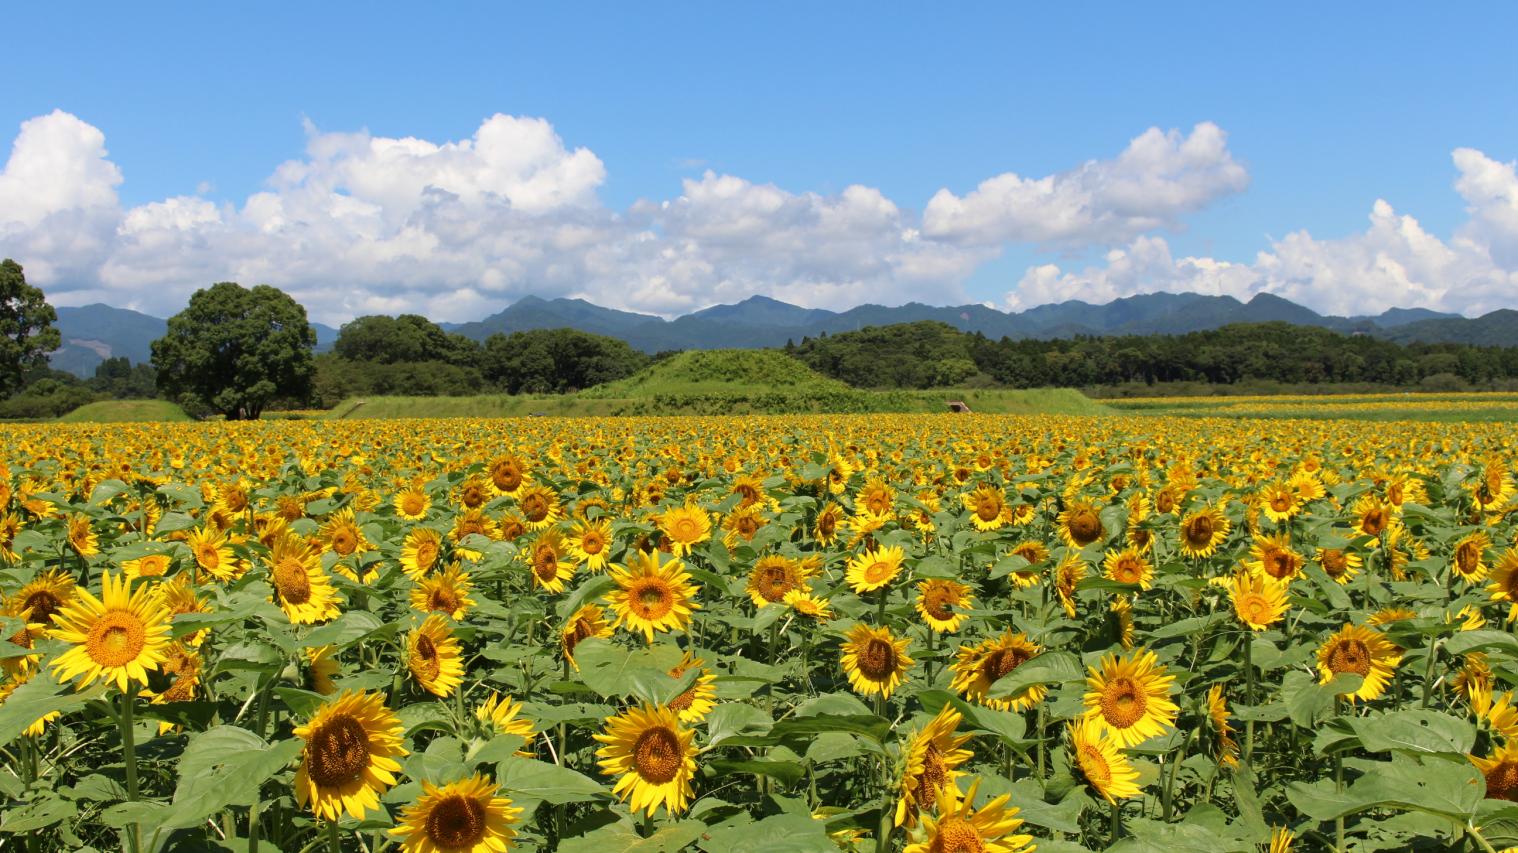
<point x="457" y="229"/>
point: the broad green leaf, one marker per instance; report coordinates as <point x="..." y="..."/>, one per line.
<point x="36" y="699"/>
<point x="1046" y="668"/>
<point x="539" y="780"/>
<point x="1414" y="731"/>
<point x="224" y="766"/>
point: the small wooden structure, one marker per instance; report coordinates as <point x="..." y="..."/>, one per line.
<point x="959" y="407"/>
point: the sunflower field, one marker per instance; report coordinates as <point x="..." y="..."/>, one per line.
<point x="927" y="633"/>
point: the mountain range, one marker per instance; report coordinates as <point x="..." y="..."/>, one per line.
<point x="92" y="333"/>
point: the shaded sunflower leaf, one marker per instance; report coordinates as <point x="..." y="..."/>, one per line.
<point x="222" y="767"/>
<point x="1045" y="668"/>
<point x="302" y="703"/>
<point x="787" y="772"/>
<point x="732" y="719"/>
<point x="36" y="699"/>
<point x="781" y="833"/>
<point x="1497" y="822"/>
<point x="1307" y="701"/>
<point x="866" y="725"/>
<point x="624" y="837"/>
<point x="1444" y="786"/>
<point x="40" y="813"/>
<point x="593" y="588"/>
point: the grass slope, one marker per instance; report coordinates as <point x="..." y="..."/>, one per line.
<point x="125" y="411"/>
<point x="720" y="371"/>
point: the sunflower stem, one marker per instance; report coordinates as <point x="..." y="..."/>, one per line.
<point x="334" y="841"/>
<point x="1428" y="672"/>
<point x="928" y="658"/>
<point x="1116" y="830"/>
<point x="1475" y="835"/>
<point x="129" y="759"/>
<point x="1038" y="737"/>
<point x="1249" y="693"/>
<point x="1338" y="786"/>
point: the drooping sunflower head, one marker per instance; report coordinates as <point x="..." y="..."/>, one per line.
<point x="930" y="761"/>
<point x="460" y="817"/>
<point x="1202" y="531"/>
<point x="1100" y="761"/>
<point x="1130" y="698"/>
<point x="82" y="537"/>
<point x="653" y="757"/>
<point x="1080" y="524"/>
<point x="874" y="660"/>
<point x="1217" y="715"/>
<point x="321" y="668"/>
<point x="1361" y="651"/>
<point x="698" y="700"/>
<point x="825" y="529"/>
<point x="943" y="604"/>
<point x="352" y="743"/>
<point x="589" y="621"/>
<point x="432" y="655"/>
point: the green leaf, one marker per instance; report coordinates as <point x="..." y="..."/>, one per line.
<point x="1046" y="668"/>
<point x="781" y="833"/>
<point x="1445" y="786"/>
<point x="1307" y="701"/>
<point x="1470" y="641"/>
<point x="36" y="699"/>
<point x="624" y="838"/>
<point x="222" y="767"/>
<point x="788" y="772"/>
<point x="539" y="780"/>
<point x="1414" y="731"/>
<point x="346" y="629"/>
<point x="611" y="670"/>
<point x="735" y="718"/>
<point x="865" y="725"/>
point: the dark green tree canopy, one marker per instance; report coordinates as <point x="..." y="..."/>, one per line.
<point x="407" y="338"/>
<point x="552" y="361"/>
<point x="26" y="328"/>
<point x="234" y="350"/>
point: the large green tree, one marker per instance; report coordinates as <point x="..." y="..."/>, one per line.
<point x="234" y="350"/>
<point x="26" y="328"/>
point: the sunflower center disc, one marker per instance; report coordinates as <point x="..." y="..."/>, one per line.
<point x="43" y="605"/>
<point x="337" y="753"/>
<point x="775" y="583"/>
<point x="932" y="778"/>
<point x="1085" y="527"/>
<point x="1350" y="656"/>
<point x="877" y="660"/>
<point x="1502" y="781"/>
<point x="1199" y="531"/>
<point x="116" y="639"/>
<point x="1000" y="662"/>
<point x="987" y="510"/>
<point x="291" y="579"/>
<point x="456" y="823"/>
<point x="343" y="542"/>
<point x="547" y="564"/>
<point x="1123" y="703"/>
<point x="592" y="543"/>
<point x="653" y="600"/>
<point x="425" y="660"/>
<point x="443" y="599"/>
<point x="957" y="835"/>
<point x="426" y="554"/>
<point x="877" y="571"/>
<point x="1094" y="766"/>
<point x="1335" y="563"/>
<point x="535" y="508"/>
<point x="656" y="755"/>
<point x="411" y="504"/>
<point x="937" y="605"/>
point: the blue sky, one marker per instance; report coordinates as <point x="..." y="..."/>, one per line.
<point x="1325" y="108"/>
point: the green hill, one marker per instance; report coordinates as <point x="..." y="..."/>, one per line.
<point x="125" y="411"/>
<point x="747" y="372"/>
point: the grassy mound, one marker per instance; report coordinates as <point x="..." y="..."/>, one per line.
<point x="717" y="372"/>
<point x="125" y="411"/>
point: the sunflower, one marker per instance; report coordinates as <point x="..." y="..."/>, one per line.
<point x="1281" y="840"/>
<point x="301" y="588"/>
<point x="46" y="595"/>
<point x="1070" y="571"/>
<point x="1362" y="651"/>
<point x="446" y="592"/>
<point x="987" y="506"/>
<point x="460" y="817"/>
<point x="651" y="597"/>
<point x="352" y="743"/>
<point x="1258" y="599"/>
<point x="1340" y="565"/>
<point x="825" y="528"/>
<point x="742" y="525"/>
<point x="412" y="503"/>
<point x="10" y="525"/>
<point x="1100" y="761"/>
<point x="875" y="661"/>
<point x="420" y="551"/>
<point x="1501" y="773"/>
<point x="590" y="544"/>
<point x="178" y="596"/>
<point x="342" y="534"/>
<point x="1371" y="516"/>
<point x="589" y="621"/>
<point x="1504" y="585"/>
<point x="654" y="757"/>
<point x="1217" y="714"/>
<point x="1280" y="502"/>
<point x="1499" y="713"/>
<point x="546" y="557"/>
<point x="321" y="662"/>
<point x="183" y="664"/>
<point x="472" y="522"/>
<point x="1492" y="489"/>
<point x="943" y="604"/>
<point x="1273" y="556"/>
<point x="31" y="631"/>
<point x="1468" y="559"/>
<point x="82" y="537"/>
<point x="1080" y="524"/>
<point x="699" y="699"/>
<point x="539" y="506"/>
<point x="120" y="636"/>
<point x="685" y="527"/>
<point x="1128" y="566"/>
<point x="508" y="474"/>
<point x="803" y="602"/>
<point x="1130" y="698"/>
<point x="982" y="665"/>
<point x="772" y="578"/>
<point x="432" y="655"/>
<point x="213" y="555"/>
<point x="874" y="570"/>
<point x="146" y="566"/>
<point x="959" y="826"/>
<point x="931" y="757"/>
<point x="1202" y="531"/>
<point x="501" y="715"/>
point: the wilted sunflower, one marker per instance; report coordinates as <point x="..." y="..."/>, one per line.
<point x="1080" y="524"/>
<point x="699" y="699"/>
<point x="1100" y="761"/>
<point x="120" y="636"/>
<point x="412" y="503"/>
<point x="874" y="660"/>
<point x="301" y="588"/>
<point x="445" y="592"/>
<point x="589" y="621"/>
<point x="146" y="566"/>
<point x="1258" y="599"/>
<point x="983" y="664"/>
<point x="420" y="551"/>
<point x="1130" y="698"/>
<point x="652" y="755"/>
<point x="460" y="817"/>
<point x="959" y="826"/>
<point x="987" y="506"/>
<point x="546" y="557"/>
<point x="943" y="604"/>
<point x="685" y="527"/>
<point x="590" y="544"/>
<point x="1128" y="566"/>
<point x="352" y="743"/>
<point x="1273" y="557"/>
<point x="1501" y="772"/>
<point x="432" y="655"/>
<point x="651" y="597"/>
<point x="82" y="537"/>
<point x="1468" y="559"/>
<point x="213" y="555"/>
<point x="1340" y="565"/>
<point x="501" y="713"/>
<point x="875" y="569"/>
<point x="772" y="578"/>
<point x="1217" y="714"/>
<point x="1362" y="651"/>
<point x="931" y="757"/>
<point x="1202" y="531"/>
